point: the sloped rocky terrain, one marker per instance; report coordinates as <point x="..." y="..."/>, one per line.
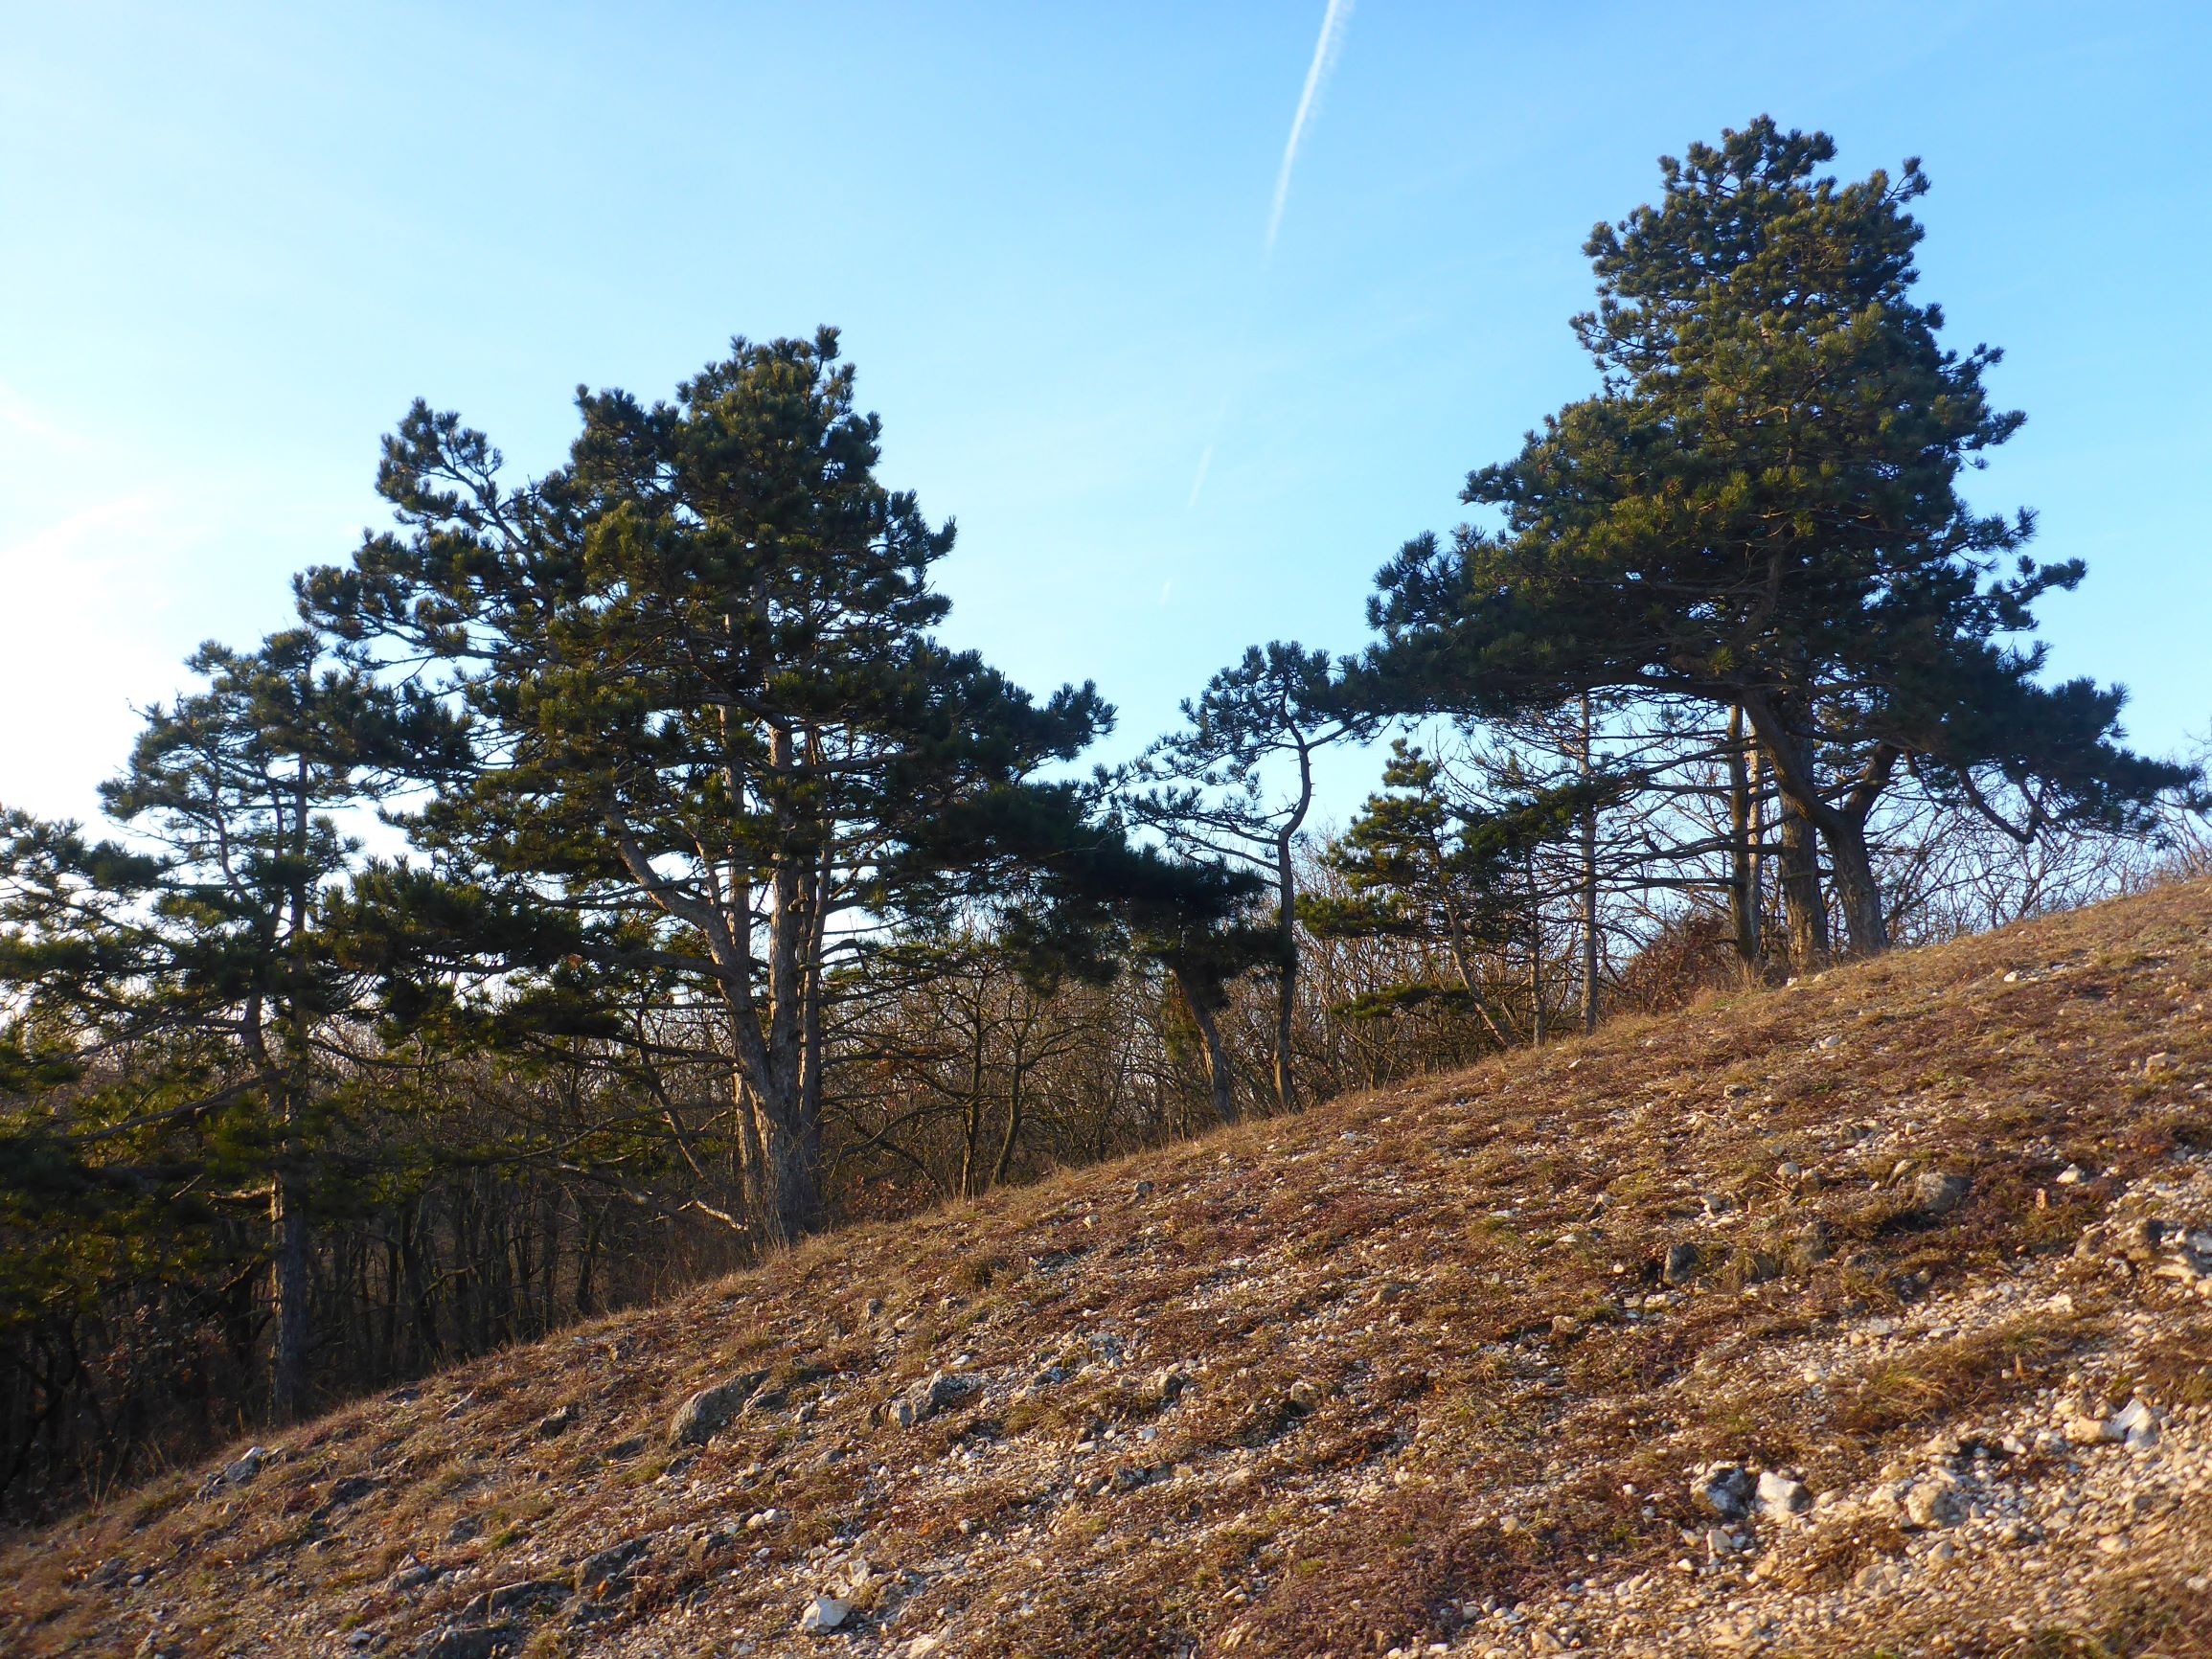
<point x="1872" y="1315"/>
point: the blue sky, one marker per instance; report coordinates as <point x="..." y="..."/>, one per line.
<point x="241" y="238"/>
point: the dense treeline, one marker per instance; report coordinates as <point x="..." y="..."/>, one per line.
<point x="722" y="901"/>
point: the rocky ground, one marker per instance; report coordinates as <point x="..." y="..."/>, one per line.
<point x="1866" y="1316"/>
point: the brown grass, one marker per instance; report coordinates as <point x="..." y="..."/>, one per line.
<point x="1421" y="1367"/>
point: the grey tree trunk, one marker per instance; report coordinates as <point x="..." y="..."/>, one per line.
<point x="1803" y="912"/>
<point x="290" y="1284"/>
<point x="1218" y="1069"/>
<point x="1216" y="1056"/>
<point x="776" y="1038"/>
<point x="291" y="1281"/>
<point x="1286" y="923"/>
<point x="972" y="1137"/>
<point x="1017" y="1075"/>
<point x="1806" y="811"/>
<point x="1851" y="864"/>
<point x="1756" y="876"/>
<point x="1009" y="1142"/>
<point x="1844" y="828"/>
<point x="1535" y="1020"/>
<point x="1287" y="974"/>
<point x="783" y="1193"/>
<point x="1589" y="879"/>
<point x="1797" y="797"/>
<point x="1744" y="869"/>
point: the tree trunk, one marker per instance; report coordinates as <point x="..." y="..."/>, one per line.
<point x="795" y="1157"/>
<point x="1742" y="871"/>
<point x="814" y="1052"/>
<point x="1287" y="921"/>
<point x="291" y="1285"/>
<point x="1803" y="912"/>
<point x="1536" y="1023"/>
<point x="549" y="1264"/>
<point x="1018" y="1074"/>
<point x="1852" y="866"/>
<point x="1843" y="825"/>
<point x="1589" y="876"/>
<point x="1012" y="1136"/>
<point x="784" y="1058"/>
<point x="1757" y="871"/>
<point x="1286" y="972"/>
<point x="752" y="1181"/>
<point x="287" y="1211"/>
<point x="971" y="1136"/>
<point x="786" y="1198"/>
<point x="586" y="1259"/>
<point x="1218" y="1068"/>
<point x="1216" y="1058"/>
<point x="388" y="1341"/>
<point x="1844" y="828"/>
<point x="423" y="1340"/>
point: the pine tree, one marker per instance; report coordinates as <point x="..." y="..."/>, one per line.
<point x="211" y="950"/>
<point x="701" y="655"/>
<point x="1761" y="510"/>
<point x="1425" y="861"/>
<point x="1207" y="787"/>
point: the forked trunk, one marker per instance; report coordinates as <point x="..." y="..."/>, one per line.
<point x="1218" y="1067"/>
<point x="1803" y="911"/>
<point x="1204" y="1014"/>
<point x="785" y="1194"/>
<point x="1852" y="866"/>
<point x="1840" y="824"/>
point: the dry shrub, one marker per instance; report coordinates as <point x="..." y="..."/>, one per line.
<point x="1688" y="954"/>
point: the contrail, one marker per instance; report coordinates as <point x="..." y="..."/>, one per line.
<point x="1213" y="437"/>
<point x="1325" y="51"/>
<point x="1205" y="463"/>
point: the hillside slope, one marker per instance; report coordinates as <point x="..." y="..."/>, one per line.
<point x="1404" y="1372"/>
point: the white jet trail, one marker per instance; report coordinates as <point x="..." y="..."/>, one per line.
<point x="1325" y="52"/>
<point x="1205" y="463"/>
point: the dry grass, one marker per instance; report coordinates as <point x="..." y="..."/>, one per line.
<point x="1418" y="1371"/>
<point x="1962" y="1378"/>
